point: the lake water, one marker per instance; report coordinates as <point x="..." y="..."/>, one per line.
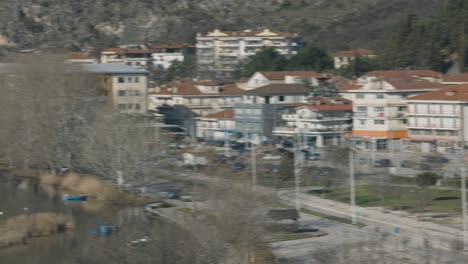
<point x="25" y="197"/>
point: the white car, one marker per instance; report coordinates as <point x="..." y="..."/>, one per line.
<point x="271" y="157"/>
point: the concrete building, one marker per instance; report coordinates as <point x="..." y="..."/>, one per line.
<point x="259" y="111"/>
<point x="135" y="56"/>
<point x="125" y="87"/>
<point x="217" y="126"/>
<point x="322" y="121"/>
<point x="438" y="120"/>
<point x="343" y="58"/>
<point x="379" y="110"/>
<point x="164" y="55"/>
<point x="220" y="52"/>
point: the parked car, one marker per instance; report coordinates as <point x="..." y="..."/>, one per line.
<point x="383" y="163"/>
<point x="407" y="164"/>
<point x="436" y="159"/>
<point x="271" y="157"/>
<point x="423" y="166"/>
<point x="312" y="156"/>
<point x="239" y="166"/>
<point x="325" y="171"/>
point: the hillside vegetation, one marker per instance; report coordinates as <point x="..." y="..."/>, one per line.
<point x="71" y="25"/>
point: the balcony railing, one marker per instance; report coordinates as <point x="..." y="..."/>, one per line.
<point x="434" y="126"/>
<point x="434" y="112"/>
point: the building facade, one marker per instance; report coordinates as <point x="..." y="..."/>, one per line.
<point x="217" y="126"/>
<point x="138" y="57"/>
<point x="343" y="58"/>
<point x="164" y="55"/>
<point x="438" y="121"/>
<point x="220" y="52"/>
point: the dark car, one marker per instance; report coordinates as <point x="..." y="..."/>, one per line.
<point x="407" y="164"/>
<point x="325" y="171"/>
<point x="436" y="159"/>
<point x="239" y="166"/>
<point x="423" y="166"/>
<point x="383" y="163"/>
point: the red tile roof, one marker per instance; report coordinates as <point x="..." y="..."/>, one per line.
<point x="419" y="73"/>
<point x="172" y="46"/>
<point x="80" y="56"/>
<point x="450" y="93"/>
<point x="230" y="89"/>
<point x="280" y="75"/>
<point x="225" y="114"/>
<point x="283" y="88"/>
<point x="409" y="83"/>
<point x="354" y="52"/>
<point x="462" y="77"/>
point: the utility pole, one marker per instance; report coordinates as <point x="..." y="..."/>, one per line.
<point x="352" y="186"/>
<point x="464" y="209"/>
<point x="254" y="164"/>
<point x="226" y="138"/>
<point x="297" y="157"/>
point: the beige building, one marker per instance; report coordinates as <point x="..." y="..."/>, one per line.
<point x="220" y="52"/>
<point x="344" y="57"/>
<point x="125" y="87"/>
<point x="438" y="120"/>
<point x="379" y="110"/>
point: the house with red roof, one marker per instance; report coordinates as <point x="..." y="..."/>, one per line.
<point x="344" y="57"/>
<point x="460" y="78"/>
<point x="322" y="121"/>
<point x="311" y="78"/>
<point x="438" y="120"/>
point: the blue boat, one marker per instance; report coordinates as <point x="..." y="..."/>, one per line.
<point x="75" y="198"/>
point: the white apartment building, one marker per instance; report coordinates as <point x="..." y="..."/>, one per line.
<point x="321" y="123"/>
<point x="124" y="86"/>
<point x="379" y="110"/>
<point x="344" y="57"/>
<point x="137" y="57"/>
<point x="164" y="55"/>
<point x="220" y="52"/>
<point x="438" y="120"/>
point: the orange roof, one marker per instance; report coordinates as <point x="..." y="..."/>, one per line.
<point x="451" y="93"/>
<point x="409" y="83"/>
<point x="172" y="46"/>
<point x="126" y="51"/>
<point x="230" y="89"/>
<point x="225" y="114"/>
<point x="80" y="56"/>
<point x="462" y="77"/>
<point x="280" y="75"/>
<point x="354" y="52"/>
<point x="419" y="73"/>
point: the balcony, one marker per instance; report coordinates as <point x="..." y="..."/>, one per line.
<point x="435" y="113"/>
<point x="205" y="61"/>
<point x="253" y="44"/>
<point x="433" y="126"/>
<point x="229" y="54"/>
<point x="229" y="44"/>
<point x="280" y="44"/>
<point x="204" y="46"/>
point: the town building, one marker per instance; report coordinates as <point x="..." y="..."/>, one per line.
<point x="220" y="52"/>
<point x="203" y="98"/>
<point x="217" y="126"/>
<point x="259" y="111"/>
<point x="343" y="58"/>
<point x="310" y="78"/>
<point x="322" y="121"/>
<point x="125" y="87"/>
<point x="81" y="57"/>
<point x="164" y="55"/>
<point x="136" y="56"/>
<point x="379" y="110"/>
<point x="438" y="120"/>
<point x="427" y="75"/>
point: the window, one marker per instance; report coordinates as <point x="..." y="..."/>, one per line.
<point x="362" y="122"/>
<point x="359" y="96"/>
<point x="137" y="63"/>
<point x="402" y="108"/>
<point x="378" y="109"/>
<point x="130" y="106"/>
<point x="122" y="106"/>
<point x="440" y="133"/>
<point x="402" y="121"/>
<point x="137" y="93"/>
<point x="452" y="133"/>
<point x="379" y="122"/>
<point x="121" y="80"/>
<point x="121" y="92"/>
<point x="379" y="96"/>
<point x="427" y="132"/>
<point x="137" y="79"/>
<point x="415" y="132"/>
<point x="129" y="79"/>
<point x="128" y="63"/>
<point x="281" y="98"/>
<point x="362" y="109"/>
<point x="137" y="106"/>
